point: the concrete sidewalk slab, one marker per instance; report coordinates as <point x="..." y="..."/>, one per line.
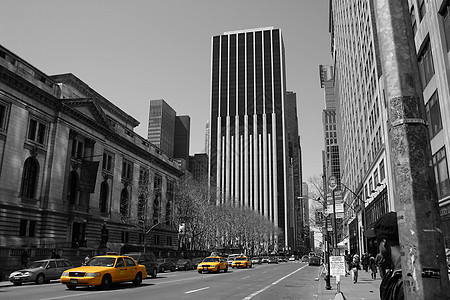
<point x="365" y="289"/>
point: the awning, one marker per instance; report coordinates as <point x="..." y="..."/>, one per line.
<point x="343" y="244"/>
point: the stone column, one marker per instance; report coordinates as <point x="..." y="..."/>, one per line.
<point x="423" y="259"/>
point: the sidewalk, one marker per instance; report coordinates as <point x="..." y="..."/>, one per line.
<point x="365" y="289"/>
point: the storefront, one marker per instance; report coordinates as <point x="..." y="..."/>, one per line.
<point x="373" y="211"/>
<point x="445" y="223"/>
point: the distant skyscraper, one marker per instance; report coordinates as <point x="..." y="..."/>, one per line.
<point x="198" y="166"/>
<point x="207" y="138"/>
<point x="182" y="136"/>
<point x="249" y="143"/>
<point x="171" y="133"/>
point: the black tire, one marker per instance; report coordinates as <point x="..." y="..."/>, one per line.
<point x="172" y="269"/>
<point x="251" y="265"/>
<point x="106" y="282"/>
<point x="226" y="270"/>
<point x="71" y="287"/>
<point x="17" y="283"/>
<point x="40" y="279"/>
<point x="161" y="270"/>
<point x="218" y="269"/>
<point x="199" y="272"/>
<point x="154" y="273"/>
<point x="138" y="279"/>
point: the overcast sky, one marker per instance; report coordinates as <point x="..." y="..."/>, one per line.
<point x="133" y="51"/>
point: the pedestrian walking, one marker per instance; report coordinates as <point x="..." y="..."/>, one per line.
<point x="24" y="256"/>
<point x="380" y="262"/>
<point x="355" y="266"/>
<point x="348" y="261"/>
<point x="373" y="267"/>
<point x="365" y="262"/>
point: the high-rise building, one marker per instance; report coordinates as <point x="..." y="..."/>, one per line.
<point x="169" y="132"/>
<point x="161" y="125"/>
<point x="249" y="155"/>
<point x="198" y="166"/>
<point x="182" y="136"/>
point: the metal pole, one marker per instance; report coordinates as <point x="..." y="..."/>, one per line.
<point x="423" y="262"/>
<point x="334" y="222"/>
<point x="327" y="256"/>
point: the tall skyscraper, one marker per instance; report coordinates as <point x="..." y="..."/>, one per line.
<point x="249" y="144"/>
<point x="161" y="125"/>
<point x="171" y="133"/>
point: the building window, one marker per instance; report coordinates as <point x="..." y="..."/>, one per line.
<point x="107" y="162"/>
<point x="381" y="168"/>
<point x="3" y="116"/>
<point x="127" y="170"/>
<point x="169" y="241"/>
<point x="77" y="148"/>
<point x="36" y="131"/>
<point x="124" y="237"/>
<point x="124" y="200"/>
<point x="422" y="9"/>
<point x="157" y="191"/>
<point x="73" y="187"/>
<point x="426" y="67"/>
<point x="169" y="202"/>
<point x="29" y="178"/>
<point x="441" y="173"/>
<point x="446" y="20"/>
<point x="156" y="239"/>
<point x="413" y="20"/>
<point x="433" y="115"/>
<point x="104" y="190"/>
<point x="27" y="228"/>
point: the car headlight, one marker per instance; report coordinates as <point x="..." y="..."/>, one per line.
<point x="93" y="274"/>
<point x="27" y="273"/>
<point x="65" y="273"/>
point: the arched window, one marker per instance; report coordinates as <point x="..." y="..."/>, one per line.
<point x="73" y="187"/>
<point x="124" y="203"/>
<point x="104" y="189"/>
<point x="29" y="178"/>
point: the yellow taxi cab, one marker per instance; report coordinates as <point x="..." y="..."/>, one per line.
<point x="213" y="264"/>
<point x="241" y="262"/>
<point x="104" y="270"/>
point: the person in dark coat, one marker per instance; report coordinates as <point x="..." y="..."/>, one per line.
<point x="386" y="232"/>
<point x="365" y="261"/>
<point x="372" y="267"/>
<point x="24" y="256"/>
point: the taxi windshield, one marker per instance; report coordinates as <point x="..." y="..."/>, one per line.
<point x="102" y="261"/>
<point x="211" y="259"/>
<point x="240" y="258"/>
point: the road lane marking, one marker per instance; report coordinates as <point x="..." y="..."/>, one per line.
<point x="197" y="290"/>
<point x="245" y="277"/>
<point x="273" y="283"/>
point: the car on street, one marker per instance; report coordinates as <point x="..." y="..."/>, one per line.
<point x="184" y="264"/>
<point x="196" y="261"/>
<point x="265" y="259"/>
<point x="314" y="261"/>
<point x="305" y="258"/>
<point x="148" y="260"/>
<point x="256" y="260"/>
<point x="272" y="260"/>
<point x="166" y="264"/>
<point x="213" y="264"/>
<point x="231" y="258"/>
<point x="292" y="258"/>
<point x="241" y="262"/>
<point x="41" y="271"/>
<point x="104" y="270"/>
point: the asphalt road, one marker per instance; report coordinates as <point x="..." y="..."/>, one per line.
<point x="287" y="281"/>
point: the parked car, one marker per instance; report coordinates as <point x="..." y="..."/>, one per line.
<point x="184" y="264"/>
<point x="272" y="260"/>
<point x="305" y="258"/>
<point x="196" y="261"/>
<point x="41" y="271"/>
<point x="241" y="262"/>
<point x="213" y="264"/>
<point x="166" y="264"/>
<point x="292" y="258"/>
<point x="265" y="259"/>
<point x="314" y="261"/>
<point x="148" y="260"/>
<point x="256" y="260"/>
<point x="104" y="270"/>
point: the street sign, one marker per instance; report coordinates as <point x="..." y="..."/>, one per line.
<point x="332" y="182"/>
<point x="337" y="265"/>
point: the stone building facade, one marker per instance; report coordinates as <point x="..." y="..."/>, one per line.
<point x="73" y="174"/>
